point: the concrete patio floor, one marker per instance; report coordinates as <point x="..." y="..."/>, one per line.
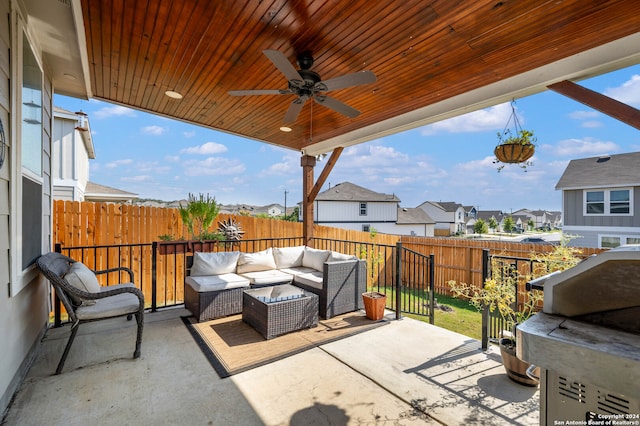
<point x="404" y="373"/>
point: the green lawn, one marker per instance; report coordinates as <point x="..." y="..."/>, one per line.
<point x="464" y="319"/>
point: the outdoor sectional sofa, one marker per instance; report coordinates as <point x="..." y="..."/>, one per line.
<point x="215" y="281"/>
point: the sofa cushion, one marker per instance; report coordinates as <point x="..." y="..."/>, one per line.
<point x="334" y="256"/>
<point x="314" y="258"/>
<point x="310" y="279"/>
<point x="271" y="276"/>
<point x="216" y="282"/>
<point x="288" y="257"/>
<point x="297" y="270"/>
<point x="82" y="278"/>
<point x="258" y="261"/>
<point x="223" y="262"/>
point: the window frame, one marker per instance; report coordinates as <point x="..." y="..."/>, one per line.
<point x="607" y="201"/>
<point x="363" y="208"/>
<point x="622" y="238"/>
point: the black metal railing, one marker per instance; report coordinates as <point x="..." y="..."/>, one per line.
<point x="405" y="276"/>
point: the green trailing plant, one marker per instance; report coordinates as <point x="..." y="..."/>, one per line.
<point x="499" y="291"/>
<point x="165" y="237"/>
<point x="198" y="215"/>
<point x="371" y="253"/>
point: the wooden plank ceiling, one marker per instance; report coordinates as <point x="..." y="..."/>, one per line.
<point x="422" y="52"/>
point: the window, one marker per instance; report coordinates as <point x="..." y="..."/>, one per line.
<point x="366" y="228"/>
<point x="363" y="209"/>
<point x="611" y="241"/>
<point x="610" y="202"/>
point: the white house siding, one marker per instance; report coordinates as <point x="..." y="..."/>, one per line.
<point x="70" y="160"/>
<point x="349" y="211"/>
<point x="24" y="314"/>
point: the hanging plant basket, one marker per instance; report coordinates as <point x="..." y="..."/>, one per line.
<point x="514" y="153"/>
<point x="517" y="147"/>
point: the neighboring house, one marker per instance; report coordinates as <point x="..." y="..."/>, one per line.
<point x="542" y="218"/>
<point x="414" y="221"/>
<point x="486" y="215"/>
<point x="106" y="194"/>
<point x="350" y="206"/>
<point x="601" y="200"/>
<point x="72" y="150"/>
<point x="449" y="217"/>
<point x="271" y="210"/>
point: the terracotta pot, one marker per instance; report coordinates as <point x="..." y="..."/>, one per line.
<point x="515" y="367"/>
<point x="172" y="247"/>
<point x="514" y="152"/>
<point x="374" y="304"/>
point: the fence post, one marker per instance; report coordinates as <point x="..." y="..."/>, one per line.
<point x="432" y="288"/>
<point x="485" y="309"/>
<point x="398" y="279"/>
<point x="154" y="254"/>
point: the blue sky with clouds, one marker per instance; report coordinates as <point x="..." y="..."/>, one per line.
<point x="452" y="160"/>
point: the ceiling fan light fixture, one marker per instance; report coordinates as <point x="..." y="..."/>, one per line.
<point x="173" y="94"/>
<point x="285" y="129"/>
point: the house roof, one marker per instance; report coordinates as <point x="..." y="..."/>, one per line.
<point x="447" y="206"/>
<point x="85" y="133"/>
<point x="488" y="214"/>
<point x="601" y="172"/>
<point x="97" y="192"/>
<point x="347" y="191"/>
<point x="433" y="59"/>
<point x="415" y="215"/>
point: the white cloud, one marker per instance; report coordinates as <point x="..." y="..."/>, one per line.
<point x="117" y="163"/>
<point x="141" y="178"/>
<point x="582" y="147"/>
<point x="590" y="124"/>
<point x="583" y="115"/>
<point x="492" y="118"/>
<point x="113" y="111"/>
<point x="628" y="92"/>
<point x="189" y="134"/>
<point x="207" y="148"/>
<point x="172" y="158"/>
<point x="214" y="166"/>
<point x="153" y="130"/>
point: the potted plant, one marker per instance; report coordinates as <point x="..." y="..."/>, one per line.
<point x="517" y="147"/>
<point x="374" y="304"/>
<point x="499" y="294"/>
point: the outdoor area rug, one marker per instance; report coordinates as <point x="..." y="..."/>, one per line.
<point x="233" y="346"/>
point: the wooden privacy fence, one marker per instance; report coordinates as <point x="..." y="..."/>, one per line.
<point x="87" y="224"/>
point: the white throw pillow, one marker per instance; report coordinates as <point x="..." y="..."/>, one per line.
<point x="336" y="257"/>
<point x="314" y="258"/>
<point x="219" y="263"/>
<point x="83" y="278"/>
<point x="258" y="261"/>
<point x="288" y="257"/>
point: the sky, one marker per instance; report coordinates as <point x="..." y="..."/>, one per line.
<point x="451" y="160"/>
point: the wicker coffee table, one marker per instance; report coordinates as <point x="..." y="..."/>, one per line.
<point x="278" y="310"/>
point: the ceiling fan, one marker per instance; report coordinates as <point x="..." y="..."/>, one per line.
<point x="307" y="84"/>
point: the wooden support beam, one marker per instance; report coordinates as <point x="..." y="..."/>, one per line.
<point x="602" y="103"/>
<point x="325" y="173"/>
<point x="307" y="162"/>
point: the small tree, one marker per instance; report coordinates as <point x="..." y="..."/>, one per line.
<point x="480" y="227"/>
<point x="531" y="224"/>
<point x="198" y="215"/>
<point x="493" y="224"/>
<point x="509" y="224"/>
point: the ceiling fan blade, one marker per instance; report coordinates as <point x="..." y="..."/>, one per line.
<point x="294" y="110"/>
<point x="282" y="63"/>
<point x="337" y="106"/>
<point x="258" y="92"/>
<point x="348" y="80"/>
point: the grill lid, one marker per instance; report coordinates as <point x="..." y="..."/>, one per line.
<point x="602" y="289"/>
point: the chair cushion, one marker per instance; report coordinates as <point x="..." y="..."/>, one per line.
<point x="216" y="282"/>
<point x="314" y="258"/>
<point x="288" y="257"/>
<point x="120" y="304"/>
<point x="82" y="278"/>
<point x="338" y="257"/>
<point x="272" y="276"/>
<point x="223" y="262"/>
<point x="258" y="261"/>
<point x="297" y="271"/>
<point x="311" y="279"/>
<point x="277" y="293"/>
